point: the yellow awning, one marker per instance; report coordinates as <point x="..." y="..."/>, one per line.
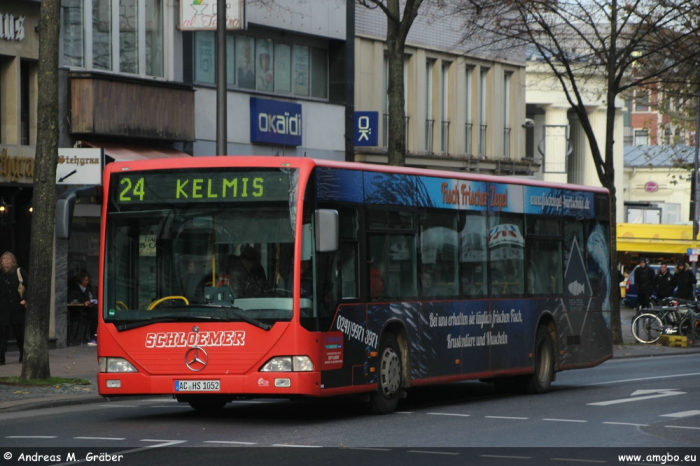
<point x="644" y="237"/>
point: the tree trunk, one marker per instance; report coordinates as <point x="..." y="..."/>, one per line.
<point x="396" y="150"/>
<point x="36" y="351"/>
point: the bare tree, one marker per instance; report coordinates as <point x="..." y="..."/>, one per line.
<point x="628" y="44"/>
<point x="36" y="351"/>
<point x="398" y="25"/>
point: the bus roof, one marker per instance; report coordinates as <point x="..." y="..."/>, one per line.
<point x="309" y="163"/>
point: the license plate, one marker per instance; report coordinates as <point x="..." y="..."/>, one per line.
<point x="197" y="385"/>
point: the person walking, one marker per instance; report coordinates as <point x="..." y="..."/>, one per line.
<point x="13" y="292"/>
<point x="644" y="283"/>
<point x="664" y="282"/>
<point x="685" y="279"/>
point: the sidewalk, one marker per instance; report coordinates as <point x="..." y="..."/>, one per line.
<point x="81" y="362"/>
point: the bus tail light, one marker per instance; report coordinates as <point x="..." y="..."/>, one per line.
<point x="116" y="365"/>
<point x="288" y="364"/>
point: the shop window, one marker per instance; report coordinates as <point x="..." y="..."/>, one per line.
<point x="263" y="65"/>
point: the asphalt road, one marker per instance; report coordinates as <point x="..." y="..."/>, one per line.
<point x="627" y="406"/>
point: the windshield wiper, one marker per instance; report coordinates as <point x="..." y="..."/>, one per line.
<point x="189" y="318"/>
<point x="158" y="320"/>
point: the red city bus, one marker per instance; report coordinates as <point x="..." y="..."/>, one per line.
<point x="241" y="277"/>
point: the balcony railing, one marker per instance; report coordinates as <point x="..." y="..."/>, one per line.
<point x="445" y="133"/>
<point x="506" y="143"/>
<point x="429" y="125"/>
<point x="386" y="131"/>
<point x="482" y="140"/>
<point x="468" y="139"/>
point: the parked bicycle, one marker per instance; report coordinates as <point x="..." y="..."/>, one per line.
<point x="673" y="317"/>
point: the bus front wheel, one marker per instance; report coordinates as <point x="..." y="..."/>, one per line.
<point x="541" y="379"/>
<point x="389" y="373"/>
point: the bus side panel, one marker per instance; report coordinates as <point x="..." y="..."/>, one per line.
<point x="584" y="332"/>
<point x="351" y="320"/>
<point x="442" y="339"/>
<point x="475" y="354"/>
<point x="509" y="336"/>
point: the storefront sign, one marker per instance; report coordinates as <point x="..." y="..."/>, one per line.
<point x="12" y="168"/>
<point x="651" y="186"/>
<point x="11" y="27"/>
<point x="366" y="128"/>
<point x="275" y="122"/>
<point x="200" y="15"/>
<point x="79" y="166"/>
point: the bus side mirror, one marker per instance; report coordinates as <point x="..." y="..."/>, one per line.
<point x="65" y="205"/>
<point x="327" y="230"/>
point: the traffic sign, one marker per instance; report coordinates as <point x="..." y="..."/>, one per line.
<point x="693" y="258"/>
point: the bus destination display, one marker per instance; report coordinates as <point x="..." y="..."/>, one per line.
<point x="149" y="187"/>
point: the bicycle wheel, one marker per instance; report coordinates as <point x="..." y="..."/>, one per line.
<point x="647" y="328"/>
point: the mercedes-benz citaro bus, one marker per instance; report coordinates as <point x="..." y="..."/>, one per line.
<point x="225" y="278"/>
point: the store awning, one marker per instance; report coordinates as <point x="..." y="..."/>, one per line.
<point x="654" y="238"/>
<point x="128" y="152"/>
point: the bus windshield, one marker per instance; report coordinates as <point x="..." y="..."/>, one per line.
<point x="199" y="261"/>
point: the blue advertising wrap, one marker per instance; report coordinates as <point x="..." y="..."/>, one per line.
<point x="275" y="122"/>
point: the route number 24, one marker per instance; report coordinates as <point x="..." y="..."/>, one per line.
<point x="136" y="190"/>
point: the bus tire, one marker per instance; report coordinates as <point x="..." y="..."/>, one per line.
<point x="541" y="379"/>
<point x="390" y="376"/>
<point x="207" y="403"/>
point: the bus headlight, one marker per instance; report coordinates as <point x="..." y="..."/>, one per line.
<point x="116" y="365"/>
<point x="288" y="364"/>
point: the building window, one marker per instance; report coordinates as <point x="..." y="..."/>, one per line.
<point x="123" y="36"/>
<point x="483" y="80"/>
<point x="429" y="119"/>
<point x="468" y="113"/>
<point x="24" y="103"/>
<point x="642" y="101"/>
<point x="641" y="138"/>
<point x="506" y="114"/>
<point x="445" y="129"/>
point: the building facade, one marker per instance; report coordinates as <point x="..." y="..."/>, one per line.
<point x="463" y="111"/>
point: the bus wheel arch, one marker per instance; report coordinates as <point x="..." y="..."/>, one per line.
<point x="543" y="354"/>
<point x="392" y="368"/>
<point x="547" y="321"/>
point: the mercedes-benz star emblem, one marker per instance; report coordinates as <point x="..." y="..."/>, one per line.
<point x="196" y="359"/>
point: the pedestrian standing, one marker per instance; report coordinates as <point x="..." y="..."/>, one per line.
<point x="644" y="283"/>
<point x="685" y="279"/>
<point x="13" y="302"/>
<point x="664" y="282"/>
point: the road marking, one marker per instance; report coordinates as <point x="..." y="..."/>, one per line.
<point x="98" y="438"/>
<point x="434" y="452"/>
<point x="694" y="412"/>
<point x="166" y="443"/>
<point x="230" y="442"/>
<point x="507" y="417"/>
<point x="31" y="436"/>
<point x="564" y="420"/>
<point x="448" y="414"/>
<point x="635" y="396"/>
<point x="683" y="427"/>
<point x="367" y="448"/>
<point x="577" y="460"/>
<point x="296" y="446"/>
<point x="627" y="424"/>
<point x="646" y="378"/>
<point x="134" y="450"/>
<point x="507" y="457"/>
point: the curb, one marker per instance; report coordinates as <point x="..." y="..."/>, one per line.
<point x="62" y="401"/>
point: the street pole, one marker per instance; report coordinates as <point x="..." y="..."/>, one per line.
<point x="221" y="78"/>
<point x="696" y="225"/>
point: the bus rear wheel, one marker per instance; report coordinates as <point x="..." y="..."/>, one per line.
<point x="386" y="398"/>
<point x="541" y="379"/>
<point x="208" y="403"/>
